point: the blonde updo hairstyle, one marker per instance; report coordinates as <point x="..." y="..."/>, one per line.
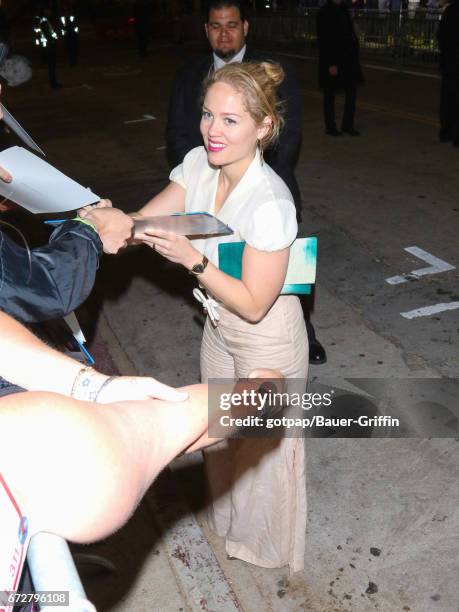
<point x="257" y="82"/>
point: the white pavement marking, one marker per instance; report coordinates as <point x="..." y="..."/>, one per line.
<point x="428" y="75"/>
<point x="426" y="311"/>
<point x="144" y="118"/>
<point x="436" y="266"/>
<point x="161" y="148"/>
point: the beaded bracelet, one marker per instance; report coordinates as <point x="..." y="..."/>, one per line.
<point x="85" y="387"/>
<point x="81" y="372"/>
<point x="103" y="385"/>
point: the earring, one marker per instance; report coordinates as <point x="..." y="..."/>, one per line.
<point x="260" y="146"/>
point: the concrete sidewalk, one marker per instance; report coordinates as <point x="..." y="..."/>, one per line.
<point x="380" y="512"/>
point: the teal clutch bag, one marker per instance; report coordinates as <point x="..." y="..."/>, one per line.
<point x="301" y="271"/>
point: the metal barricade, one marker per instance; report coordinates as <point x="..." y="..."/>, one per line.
<point x="404" y="37"/>
<point x="407" y="36"/>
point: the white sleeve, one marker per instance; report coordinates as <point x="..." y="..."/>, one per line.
<point x="272" y="226"/>
<point x="182" y="173"/>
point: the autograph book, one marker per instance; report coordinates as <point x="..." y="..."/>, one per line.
<point x="301" y="271"/>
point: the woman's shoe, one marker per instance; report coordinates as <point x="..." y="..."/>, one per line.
<point x="317" y="354"/>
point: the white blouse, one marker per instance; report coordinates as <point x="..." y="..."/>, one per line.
<point x="260" y="209"/>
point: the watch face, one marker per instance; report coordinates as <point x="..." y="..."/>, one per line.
<point x="200" y="267"/>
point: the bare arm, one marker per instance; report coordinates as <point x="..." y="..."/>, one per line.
<point x="31" y="364"/>
<point x="263" y="274"/>
<point x="170" y="200"/>
<point x="20" y="354"/>
<point x="89" y="453"/>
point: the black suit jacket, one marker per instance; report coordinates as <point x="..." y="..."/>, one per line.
<point x="182" y="132"/>
<point x="338" y="46"/>
<point x="448" y="41"/>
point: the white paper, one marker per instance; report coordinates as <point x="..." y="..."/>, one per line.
<point x="17" y="128"/>
<point x="75" y="327"/>
<point x="38" y="186"/>
<point x="15" y="535"/>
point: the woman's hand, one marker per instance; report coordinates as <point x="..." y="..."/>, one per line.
<point x="173" y="247"/>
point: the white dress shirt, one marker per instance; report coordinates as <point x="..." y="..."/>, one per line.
<point x="260" y="209"/>
<point x="219" y="63"/>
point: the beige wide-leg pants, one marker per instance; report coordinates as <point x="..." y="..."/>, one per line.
<point x="258" y="485"/>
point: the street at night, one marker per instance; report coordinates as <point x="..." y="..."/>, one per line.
<point x="383" y="206"/>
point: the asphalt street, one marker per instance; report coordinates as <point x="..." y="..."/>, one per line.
<point x="368" y="199"/>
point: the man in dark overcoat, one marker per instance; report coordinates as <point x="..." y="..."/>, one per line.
<point x="226" y="29"/>
<point x="339" y="65"/>
<point x="448" y="42"/>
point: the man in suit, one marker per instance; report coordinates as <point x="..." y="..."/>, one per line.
<point x="339" y="64"/>
<point x="226" y="29"/>
<point x="448" y="42"/>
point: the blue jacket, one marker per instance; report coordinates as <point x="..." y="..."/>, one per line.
<point x="55" y="279"/>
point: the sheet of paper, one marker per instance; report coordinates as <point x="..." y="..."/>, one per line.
<point x="17" y="128"/>
<point x="15" y="535"/>
<point x="186" y="224"/>
<point x="38" y="186"/>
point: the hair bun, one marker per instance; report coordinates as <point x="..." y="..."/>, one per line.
<point x="274" y="72"/>
<point x="257" y="82"/>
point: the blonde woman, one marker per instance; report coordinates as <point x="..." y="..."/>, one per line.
<point x="257" y="485"/>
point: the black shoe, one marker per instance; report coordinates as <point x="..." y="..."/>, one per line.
<point x="333" y="132"/>
<point x="317" y="354"/>
<point x="351" y="132"/>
